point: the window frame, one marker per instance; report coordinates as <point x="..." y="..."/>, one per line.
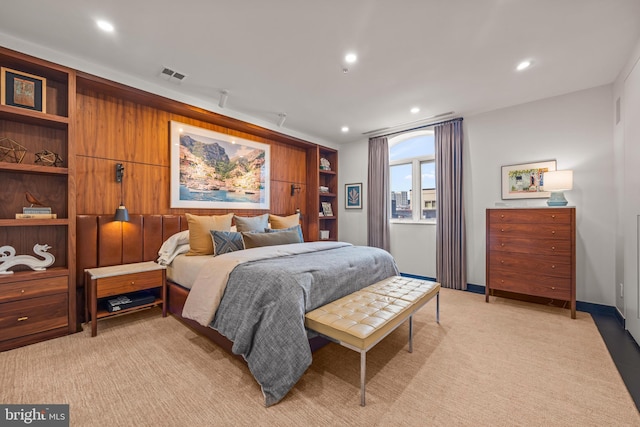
<point x="416" y="178"/>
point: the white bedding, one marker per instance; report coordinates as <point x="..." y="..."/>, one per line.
<point x="183" y="270"/>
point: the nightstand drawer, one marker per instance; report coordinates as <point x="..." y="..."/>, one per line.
<point x="33" y="288"/>
<point x="117" y="285"/>
<point x="33" y="315"/>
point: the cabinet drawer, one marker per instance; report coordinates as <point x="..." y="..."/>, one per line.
<point x="536" y="285"/>
<point x="116" y="285"/>
<point x="32" y="288"/>
<point x="530" y="216"/>
<point x="536" y="231"/>
<point x="30" y="316"/>
<point x="526" y="264"/>
<point x="530" y="246"/>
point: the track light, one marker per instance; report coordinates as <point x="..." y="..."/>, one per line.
<point x="224" y="94"/>
<point x="282" y="118"/>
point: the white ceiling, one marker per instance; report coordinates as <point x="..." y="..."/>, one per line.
<point x="287" y="56"/>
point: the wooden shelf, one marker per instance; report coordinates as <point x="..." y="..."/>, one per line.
<point x="33" y="169"/>
<point x="328" y="217"/>
<point x="102" y="313"/>
<point x="23" y="115"/>
<point x="29" y="275"/>
<point x="33" y="222"/>
<point x="327" y="172"/>
<point x="327" y="194"/>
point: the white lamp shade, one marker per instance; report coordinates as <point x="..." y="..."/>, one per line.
<point x="558" y="180"/>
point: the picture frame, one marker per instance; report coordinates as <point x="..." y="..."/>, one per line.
<point x="526" y="180"/>
<point x="353" y="196"/>
<point x="23" y="90"/>
<point x="326" y="209"/>
<point x="213" y="170"/>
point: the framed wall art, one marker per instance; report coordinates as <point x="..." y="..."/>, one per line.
<point x="23" y="90"/>
<point x="212" y="170"/>
<point x="525" y="180"/>
<point x="353" y="196"/>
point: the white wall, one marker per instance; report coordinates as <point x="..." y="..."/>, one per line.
<point x="575" y="129"/>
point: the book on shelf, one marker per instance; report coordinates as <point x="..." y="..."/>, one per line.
<point x="36" y="210"/>
<point x="36" y="216"/>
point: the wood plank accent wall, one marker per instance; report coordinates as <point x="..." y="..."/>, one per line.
<point x="118" y="124"/>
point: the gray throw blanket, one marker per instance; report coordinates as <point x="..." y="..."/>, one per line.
<point x="263" y="307"/>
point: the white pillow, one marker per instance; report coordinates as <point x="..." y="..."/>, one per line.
<point x="170" y="245"/>
<point x="165" y="259"/>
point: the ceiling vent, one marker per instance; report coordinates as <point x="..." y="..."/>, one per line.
<point x="172" y="75"/>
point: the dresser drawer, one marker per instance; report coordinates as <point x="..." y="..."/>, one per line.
<point x="530" y="246"/>
<point x="530" y="216"/>
<point x="30" y="316"/>
<point x="32" y="288"/>
<point x="537" y="231"/>
<point x="527" y="264"/>
<point x="536" y="285"/>
<point x="117" y="285"/>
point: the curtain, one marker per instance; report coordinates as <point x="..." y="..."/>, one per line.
<point x="451" y="263"/>
<point x="378" y="207"/>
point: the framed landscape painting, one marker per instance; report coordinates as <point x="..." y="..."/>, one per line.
<point x="212" y="170"/>
<point x="525" y="180"/>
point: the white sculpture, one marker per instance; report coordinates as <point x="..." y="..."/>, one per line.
<point x="8" y="258"/>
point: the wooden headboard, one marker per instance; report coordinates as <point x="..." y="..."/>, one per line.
<point x="101" y="242"/>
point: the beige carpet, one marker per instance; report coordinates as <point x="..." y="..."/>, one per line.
<point x="506" y="363"/>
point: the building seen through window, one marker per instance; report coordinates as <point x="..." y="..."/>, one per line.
<point x="412" y="171"/>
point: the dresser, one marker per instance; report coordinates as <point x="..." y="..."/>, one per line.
<point x="532" y="251"/>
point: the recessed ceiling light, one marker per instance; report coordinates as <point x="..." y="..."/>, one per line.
<point x="350" y="58"/>
<point x="345" y="129"/>
<point x="105" y="26"/>
<point x="415" y="110"/>
<point x="523" y="65"/>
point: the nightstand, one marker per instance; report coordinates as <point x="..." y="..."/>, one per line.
<point x="115" y="280"/>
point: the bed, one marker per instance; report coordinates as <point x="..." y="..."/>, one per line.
<point x="257" y="311"/>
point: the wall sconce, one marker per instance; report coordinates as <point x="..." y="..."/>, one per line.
<point x="121" y="212"/>
<point x="295" y="188"/>
<point x="558" y="182"/>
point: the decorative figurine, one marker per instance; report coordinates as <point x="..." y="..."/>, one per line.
<point x="48" y="158"/>
<point x="8" y="258"/>
<point x="32" y="199"/>
<point x="11" y="151"/>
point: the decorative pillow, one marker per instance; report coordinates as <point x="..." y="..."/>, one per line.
<point x="254" y="223"/>
<point x="226" y="241"/>
<point x="284" y="221"/>
<point x="199" y="226"/>
<point x="297" y="229"/>
<point x="256" y="240"/>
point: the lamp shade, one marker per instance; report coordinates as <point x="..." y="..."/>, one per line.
<point x="558" y="180"/>
<point x="121" y="214"/>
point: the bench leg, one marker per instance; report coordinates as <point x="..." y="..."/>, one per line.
<point x="411" y="334"/>
<point x="438" y="307"/>
<point x="363" y="375"/>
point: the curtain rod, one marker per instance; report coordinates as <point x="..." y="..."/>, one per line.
<point x="418" y="127"/>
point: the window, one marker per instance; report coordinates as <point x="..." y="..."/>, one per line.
<point x="412" y="172"/>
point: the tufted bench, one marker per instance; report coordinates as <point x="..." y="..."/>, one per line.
<point x="362" y="319"/>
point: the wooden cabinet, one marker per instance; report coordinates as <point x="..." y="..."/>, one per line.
<point x="532" y="252"/>
<point x="48" y="297"/>
<point x="105" y="282"/>
<point x="323" y="184"/>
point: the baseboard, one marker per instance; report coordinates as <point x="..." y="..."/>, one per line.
<point x="415" y="276"/>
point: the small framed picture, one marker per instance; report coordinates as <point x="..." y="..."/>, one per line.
<point x="326" y="209"/>
<point x="353" y="196"/>
<point x="525" y="180"/>
<point x="23" y="90"/>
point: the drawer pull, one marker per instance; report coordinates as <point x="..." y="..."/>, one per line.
<point x="501" y="261"/>
<point x="502" y="244"/>
<point x="553" y="288"/>
<point x="133" y="283"/>
<point x="553" y="231"/>
<point x="23" y="318"/>
<point x="502" y="230"/>
<point x="553" y="248"/>
<point x="501" y="281"/>
<point x="22" y="291"/>
<point x="553" y="266"/>
<point x="553" y="216"/>
<point x="501" y="216"/>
